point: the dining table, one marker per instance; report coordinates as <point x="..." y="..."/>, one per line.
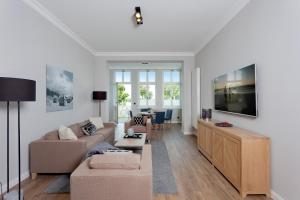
<point x="149" y="114"/>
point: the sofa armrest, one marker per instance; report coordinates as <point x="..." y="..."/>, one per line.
<point x="56" y="156"/>
<point x="109" y="124"/>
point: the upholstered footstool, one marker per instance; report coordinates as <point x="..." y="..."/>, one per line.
<point x="113" y="184"/>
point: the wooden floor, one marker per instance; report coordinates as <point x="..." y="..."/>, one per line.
<point x="196" y="178"/>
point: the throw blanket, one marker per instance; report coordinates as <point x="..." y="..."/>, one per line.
<point x="99" y="149"/>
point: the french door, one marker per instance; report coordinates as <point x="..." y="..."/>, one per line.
<point x="124" y="100"/>
<point x="121" y="101"/>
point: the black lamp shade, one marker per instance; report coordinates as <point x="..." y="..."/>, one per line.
<point x="16" y="89"/>
<point x="99" y="95"/>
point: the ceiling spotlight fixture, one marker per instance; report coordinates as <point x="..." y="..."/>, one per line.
<point x="138" y="16"/>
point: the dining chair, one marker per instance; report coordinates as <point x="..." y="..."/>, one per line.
<point x="159" y="119"/>
<point x="168" y="116"/>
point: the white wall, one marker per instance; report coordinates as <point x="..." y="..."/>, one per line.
<point x="28" y="43"/>
<point x="266" y="32"/>
<point x="102" y="80"/>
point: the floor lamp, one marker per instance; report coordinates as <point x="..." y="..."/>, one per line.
<point x="100" y="96"/>
<point x="17" y="90"/>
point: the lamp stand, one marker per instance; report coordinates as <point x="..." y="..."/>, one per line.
<point x="19" y="149"/>
<point x="99" y="108"/>
<point x="7" y="155"/>
<point x="14" y="195"/>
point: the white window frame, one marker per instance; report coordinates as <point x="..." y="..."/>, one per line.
<point x="123" y="81"/>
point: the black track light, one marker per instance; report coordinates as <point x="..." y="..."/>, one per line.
<point x="138" y="16"/>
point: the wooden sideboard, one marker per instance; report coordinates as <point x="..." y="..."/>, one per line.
<point x="242" y="156"/>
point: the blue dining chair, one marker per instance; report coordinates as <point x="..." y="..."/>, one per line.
<point x="168" y="116"/>
<point x="159" y="119"/>
<point x="145" y="109"/>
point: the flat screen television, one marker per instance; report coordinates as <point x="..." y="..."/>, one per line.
<point x="235" y="92"/>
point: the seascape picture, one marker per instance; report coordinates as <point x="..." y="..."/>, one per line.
<point x="235" y="92"/>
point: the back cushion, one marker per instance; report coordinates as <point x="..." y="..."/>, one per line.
<point x="139" y="120"/>
<point x="53" y="135"/>
<point x="89" y="129"/>
<point x="77" y="130"/>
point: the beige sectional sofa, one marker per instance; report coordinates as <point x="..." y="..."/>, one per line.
<point x="113" y="184"/>
<point x="51" y="155"/>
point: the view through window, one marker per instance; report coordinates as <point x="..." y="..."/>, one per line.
<point x="171" y="88"/>
<point x="147" y="88"/>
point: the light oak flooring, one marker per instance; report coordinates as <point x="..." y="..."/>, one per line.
<point x="196" y="178"/>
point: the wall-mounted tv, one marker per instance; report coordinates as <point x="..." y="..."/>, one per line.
<point x="235" y="92"/>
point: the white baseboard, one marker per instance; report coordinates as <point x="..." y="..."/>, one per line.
<point x="188" y="132"/>
<point x="15" y="181"/>
<point x="276" y="196"/>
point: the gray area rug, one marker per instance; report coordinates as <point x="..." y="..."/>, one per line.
<point x="163" y="179"/>
<point x="59" y="185"/>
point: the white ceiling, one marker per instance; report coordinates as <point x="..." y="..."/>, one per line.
<point x="105" y="26"/>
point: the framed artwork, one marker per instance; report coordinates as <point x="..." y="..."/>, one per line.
<point x="59" y="89"/>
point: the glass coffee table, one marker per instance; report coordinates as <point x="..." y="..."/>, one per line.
<point x="131" y="143"/>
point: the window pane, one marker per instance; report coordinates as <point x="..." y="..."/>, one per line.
<point x="127" y="77"/>
<point x="176" y="102"/>
<point x="118" y="76"/>
<point x="143" y="95"/>
<point x="176" y="91"/>
<point x="167" y="76"/>
<point x="167" y="103"/>
<point x="176" y="76"/>
<point x="143" y="102"/>
<point x="151" y="96"/>
<point x="171" y="95"/>
<point x="151" y="76"/>
<point x="143" y="76"/>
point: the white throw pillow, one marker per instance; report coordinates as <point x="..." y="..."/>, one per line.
<point x="66" y="133"/>
<point x="97" y="121"/>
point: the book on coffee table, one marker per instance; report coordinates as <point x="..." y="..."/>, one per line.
<point x="134" y="136"/>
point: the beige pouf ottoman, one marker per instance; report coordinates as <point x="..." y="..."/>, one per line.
<point x="113" y="184"/>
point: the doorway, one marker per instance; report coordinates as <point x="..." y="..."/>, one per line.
<point x="123" y="102"/>
<point x="121" y="96"/>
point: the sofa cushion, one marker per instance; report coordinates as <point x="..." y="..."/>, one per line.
<point x="77" y="130"/>
<point x="139" y="129"/>
<point x="53" y="135"/>
<point x="138" y="120"/>
<point x="92" y="140"/>
<point x="89" y="129"/>
<point x="128" y="161"/>
<point x="97" y="121"/>
<point x="66" y="133"/>
<point x="106" y="132"/>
